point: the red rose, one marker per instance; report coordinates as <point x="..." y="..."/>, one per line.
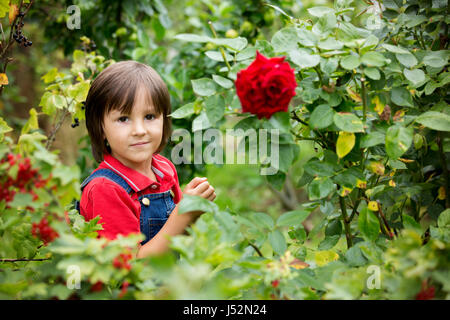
<point x="266" y="86"/>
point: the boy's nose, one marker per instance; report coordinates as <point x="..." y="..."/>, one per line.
<point x="138" y="128"/>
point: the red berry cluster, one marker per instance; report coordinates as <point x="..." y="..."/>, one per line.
<point x="97" y="287"/>
<point x="121" y="261"/>
<point x="44" y="231"/>
<point x="124" y="289"/>
<point x="27" y="177"/>
<point x="426" y="293"/>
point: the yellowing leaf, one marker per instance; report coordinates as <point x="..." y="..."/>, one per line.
<point x="13" y="12"/>
<point x="3" y="79"/>
<point x="373" y="206"/>
<point x="354" y="95"/>
<point x="376" y="167"/>
<point x="392" y="183"/>
<point x="345" y="143"/>
<point x="324" y="257"/>
<point x="379" y="106"/>
<point x="361" y="184"/>
<point x="344" y="191"/>
<point x="298" y="264"/>
<point x="405" y="160"/>
<point x="441" y="193"/>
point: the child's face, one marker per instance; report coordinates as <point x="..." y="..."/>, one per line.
<point x="134" y="137"/>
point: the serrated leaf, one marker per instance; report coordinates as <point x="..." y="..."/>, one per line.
<point x="368" y="224"/>
<point x="350" y="62"/>
<point x="348" y="122"/>
<point x="292" y="218"/>
<point x="398" y="140"/>
<point x="203" y="87"/>
<point x="277" y="242"/>
<point x="435" y="120"/>
<point x="321" y="117"/>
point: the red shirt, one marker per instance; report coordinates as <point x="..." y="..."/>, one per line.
<point x="118" y="210"/>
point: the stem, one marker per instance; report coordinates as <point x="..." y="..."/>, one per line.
<point x="52" y="135"/>
<point x="256" y="249"/>
<point x="220" y="48"/>
<point x="444" y="168"/>
<point x="363" y="93"/>
<point x="348" y="234"/>
<point x="319" y="74"/>
<point x="23" y="259"/>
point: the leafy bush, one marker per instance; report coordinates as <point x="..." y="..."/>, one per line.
<point x="372" y="97"/>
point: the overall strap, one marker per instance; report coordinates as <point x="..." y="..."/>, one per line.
<point x="108" y="174"/>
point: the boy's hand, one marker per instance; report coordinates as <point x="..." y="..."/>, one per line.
<point x="200" y="187"/>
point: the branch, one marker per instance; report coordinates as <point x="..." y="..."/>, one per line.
<point x="444" y="169"/>
<point x="348" y="234"/>
<point x="23" y="259"/>
<point x="52" y="135"/>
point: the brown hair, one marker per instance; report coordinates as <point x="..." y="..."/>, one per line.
<point x="115" y="88"/>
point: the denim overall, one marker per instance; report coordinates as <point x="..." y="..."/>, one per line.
<point x="155" y="207"/>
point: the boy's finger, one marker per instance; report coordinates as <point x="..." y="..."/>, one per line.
<point x="203" y="186"/>
<point x="196" y="181"/>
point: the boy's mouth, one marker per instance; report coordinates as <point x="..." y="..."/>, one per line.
<point x="140" y="143"/>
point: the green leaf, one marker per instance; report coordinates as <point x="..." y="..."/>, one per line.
<point x="330" y="44"/>
<point x="321" y="117"/>
<point x="306" y="38"/>
<point x="334" y="228"/>
<point x="279" y="120"/>
<point x="195" y="203"/>
<point x="4" y="8"/>
<point x="320" y="11"/>
<point x="410" y="223"/>
<point x="285" y="40"/>
<point x="4" y="128"/>
<point x="372" y="73"/>
<point x="277" y="242"/>
<point x="373" y="59"/>
<point x="217" y="56"/>
<point x="325" y="24"/>
<point x="292" y="218"/>
<point x="318" y="168"/>
<point x="215" y="108"/>
<point x="320" y="188"/>
<point x="223" y="82"/>
<point x="416" y="76"/>
<point x="372" y="139"/>
<point x="262" y="219"/>
<point x="192" y="37"/>
<point x="436" y="59"/>
<point x="184" y="111"/>
<point x="395" y="49"/>
<point x="201" y="122"/>
<point x="398" y="140"/>
<point x="348" y="122"/>
<point x="435" y="120"/>
<point x="368" y="224"/>
<point x="350" y="62"/>
<point x="329" y="242"/>
<point x="444" y="219"/>
<point x="406" y="59"/>
<point x="204" y="87"/>
<point x="304" y="59"/>
<point x="402" y="97"/>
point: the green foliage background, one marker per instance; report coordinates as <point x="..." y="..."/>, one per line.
<point x="364" y="174"/>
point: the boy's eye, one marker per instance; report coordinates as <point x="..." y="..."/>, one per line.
<point x="122" y="119"/>
<point x="150" y="117"/>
